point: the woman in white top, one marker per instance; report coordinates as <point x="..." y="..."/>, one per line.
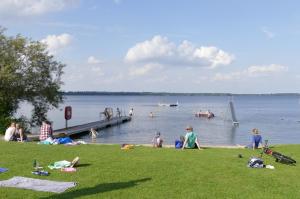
<point x="10" y="132"/>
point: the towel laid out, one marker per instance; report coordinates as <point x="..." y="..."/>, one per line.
<point x="60" y="164"/>
<point x="37" y="184"/>
<point x="3" y="170"/>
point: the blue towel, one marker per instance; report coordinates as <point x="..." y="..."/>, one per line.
<point x="3" y="170"/>
<point x="64" y="140"/>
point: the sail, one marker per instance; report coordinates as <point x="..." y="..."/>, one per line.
<point x="233" y="116"/>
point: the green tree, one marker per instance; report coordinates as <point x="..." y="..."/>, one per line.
<point x="27" y="73"/>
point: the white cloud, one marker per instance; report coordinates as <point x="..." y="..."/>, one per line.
<point x="33" y="7"/>
<point x="113" y="78"/>
<point x="252" y="71"/>
<point x="77" y="26"/>
<point x="228" y="76"/>
<point x="97" y="70"/>
<point x="160" y="50"/>
<point x="266" y="69"/>
<point x="158" y="79"/>
<point x="93" y="60"/>
<point x="140" y="71"/>
<point x="268" y="33"/>
<point x="57" y="42"/>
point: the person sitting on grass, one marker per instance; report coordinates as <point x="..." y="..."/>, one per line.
<point x="20" y="135"/>
<point x="190" y="140"/>
<point x="157" y="141"/>
<point x="256" y="139"/>
<point x="46" y="131"/>
<point x="10" y="133"/>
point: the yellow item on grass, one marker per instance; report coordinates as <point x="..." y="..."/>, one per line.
<point x="127" y="146"/>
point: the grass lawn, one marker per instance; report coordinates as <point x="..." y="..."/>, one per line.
<point x="108" y="172"/>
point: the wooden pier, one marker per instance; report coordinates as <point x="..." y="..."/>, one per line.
<point x="84" y="128"/>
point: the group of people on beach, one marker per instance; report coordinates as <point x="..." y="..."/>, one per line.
<point x="191" y="141"/>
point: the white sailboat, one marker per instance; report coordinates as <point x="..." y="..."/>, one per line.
<point x="169" y="105"/>
<point x="233" y="115"/>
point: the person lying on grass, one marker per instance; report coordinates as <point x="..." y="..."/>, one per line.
<point x="190" y="140"/>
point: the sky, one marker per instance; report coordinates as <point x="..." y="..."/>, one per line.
<point x="202" y="46"/>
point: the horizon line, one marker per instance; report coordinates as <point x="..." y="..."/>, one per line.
<point x="169" y="93"/>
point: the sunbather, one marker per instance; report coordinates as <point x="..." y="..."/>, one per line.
<point x="190" y="140"/>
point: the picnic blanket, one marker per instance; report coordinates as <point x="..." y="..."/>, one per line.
<point x="37" y="184"/>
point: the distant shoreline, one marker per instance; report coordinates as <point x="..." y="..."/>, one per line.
<point x="171" y="94"/>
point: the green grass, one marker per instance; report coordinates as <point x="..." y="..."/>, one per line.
<point x="108" y="172"/>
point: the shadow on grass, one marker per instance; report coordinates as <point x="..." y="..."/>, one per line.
<point x="83" y="165"/>
<point x="100" y="188"/>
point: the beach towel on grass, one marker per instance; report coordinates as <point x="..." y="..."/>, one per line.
<point x="60" y="164"/>
<point x="37" y="184"/>
<point x="3" y="170"/>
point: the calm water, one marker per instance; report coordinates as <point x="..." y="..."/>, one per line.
<point x="277" y="117"/>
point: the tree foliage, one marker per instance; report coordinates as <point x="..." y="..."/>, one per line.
<point x="27" y="73"/>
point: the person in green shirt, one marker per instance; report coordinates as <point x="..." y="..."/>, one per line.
<point x="190" y="141"/>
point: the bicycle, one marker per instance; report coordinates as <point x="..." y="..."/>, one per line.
<point x="278" y="156"/>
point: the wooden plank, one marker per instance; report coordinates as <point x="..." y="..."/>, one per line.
<point x="74" y="130"/>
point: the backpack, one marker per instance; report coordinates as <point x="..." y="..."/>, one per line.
<point x="178" y="144"/>
<point x="255" y="162"/>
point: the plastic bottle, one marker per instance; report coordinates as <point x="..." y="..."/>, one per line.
<point x="34" y="164"/>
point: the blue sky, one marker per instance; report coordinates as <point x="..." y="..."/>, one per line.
<point x="174" y="46"/>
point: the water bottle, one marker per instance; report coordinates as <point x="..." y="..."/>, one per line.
<point x="34" y="164"/>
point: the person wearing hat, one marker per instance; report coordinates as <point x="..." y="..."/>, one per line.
<point x="190" y="140"/>
<point x="256" y="139"/>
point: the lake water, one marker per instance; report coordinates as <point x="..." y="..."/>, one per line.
<point x="277" y="117"/>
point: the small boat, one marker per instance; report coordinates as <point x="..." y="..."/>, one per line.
<point x="170" y="105"/>
<point x="207" y="114"/>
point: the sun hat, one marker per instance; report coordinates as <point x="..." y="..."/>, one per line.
<point x="189" y="127"/>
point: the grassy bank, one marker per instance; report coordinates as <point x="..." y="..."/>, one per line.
<point x="143" y="172"/>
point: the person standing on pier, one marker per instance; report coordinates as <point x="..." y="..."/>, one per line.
<point x="131" y="112"/>
<point x="46" y="131"/>
<point x="118" y="112"/>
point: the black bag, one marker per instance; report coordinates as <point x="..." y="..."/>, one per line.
<point x="255" y="162"/>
